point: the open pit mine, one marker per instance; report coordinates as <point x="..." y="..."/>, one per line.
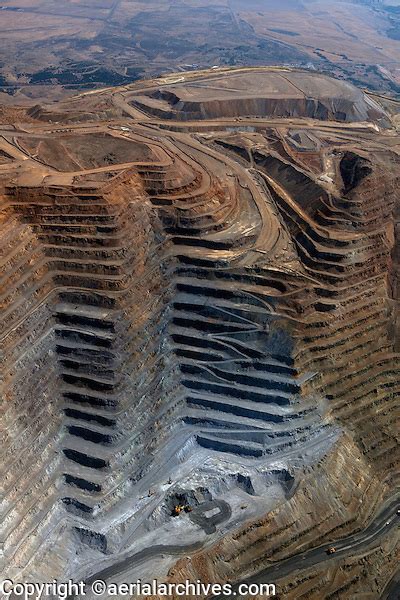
<point x="200" y="336"/>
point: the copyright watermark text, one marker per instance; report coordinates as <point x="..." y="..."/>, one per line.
<point x="99" y="588"/>
<point x="39" y="591"/>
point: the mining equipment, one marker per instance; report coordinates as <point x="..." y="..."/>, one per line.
<point x="179" y="508"/>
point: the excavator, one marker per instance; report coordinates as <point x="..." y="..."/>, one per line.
<point x="179" y="508"/>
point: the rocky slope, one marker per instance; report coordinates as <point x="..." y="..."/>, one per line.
<point x="198" y="313"/>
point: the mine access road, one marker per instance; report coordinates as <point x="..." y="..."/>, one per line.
<point x="386" y="520"/>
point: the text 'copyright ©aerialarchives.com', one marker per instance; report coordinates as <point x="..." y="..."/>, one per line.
<point x="40" y="591"/>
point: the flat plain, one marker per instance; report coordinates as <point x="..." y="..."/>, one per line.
<point x="52" y="49"/>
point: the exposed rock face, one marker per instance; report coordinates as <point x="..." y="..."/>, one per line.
<point x="208" y="317"/>
<point x="292" y="526"/>
<point x="76" y="325"/>
<point x="272" y="94"/>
